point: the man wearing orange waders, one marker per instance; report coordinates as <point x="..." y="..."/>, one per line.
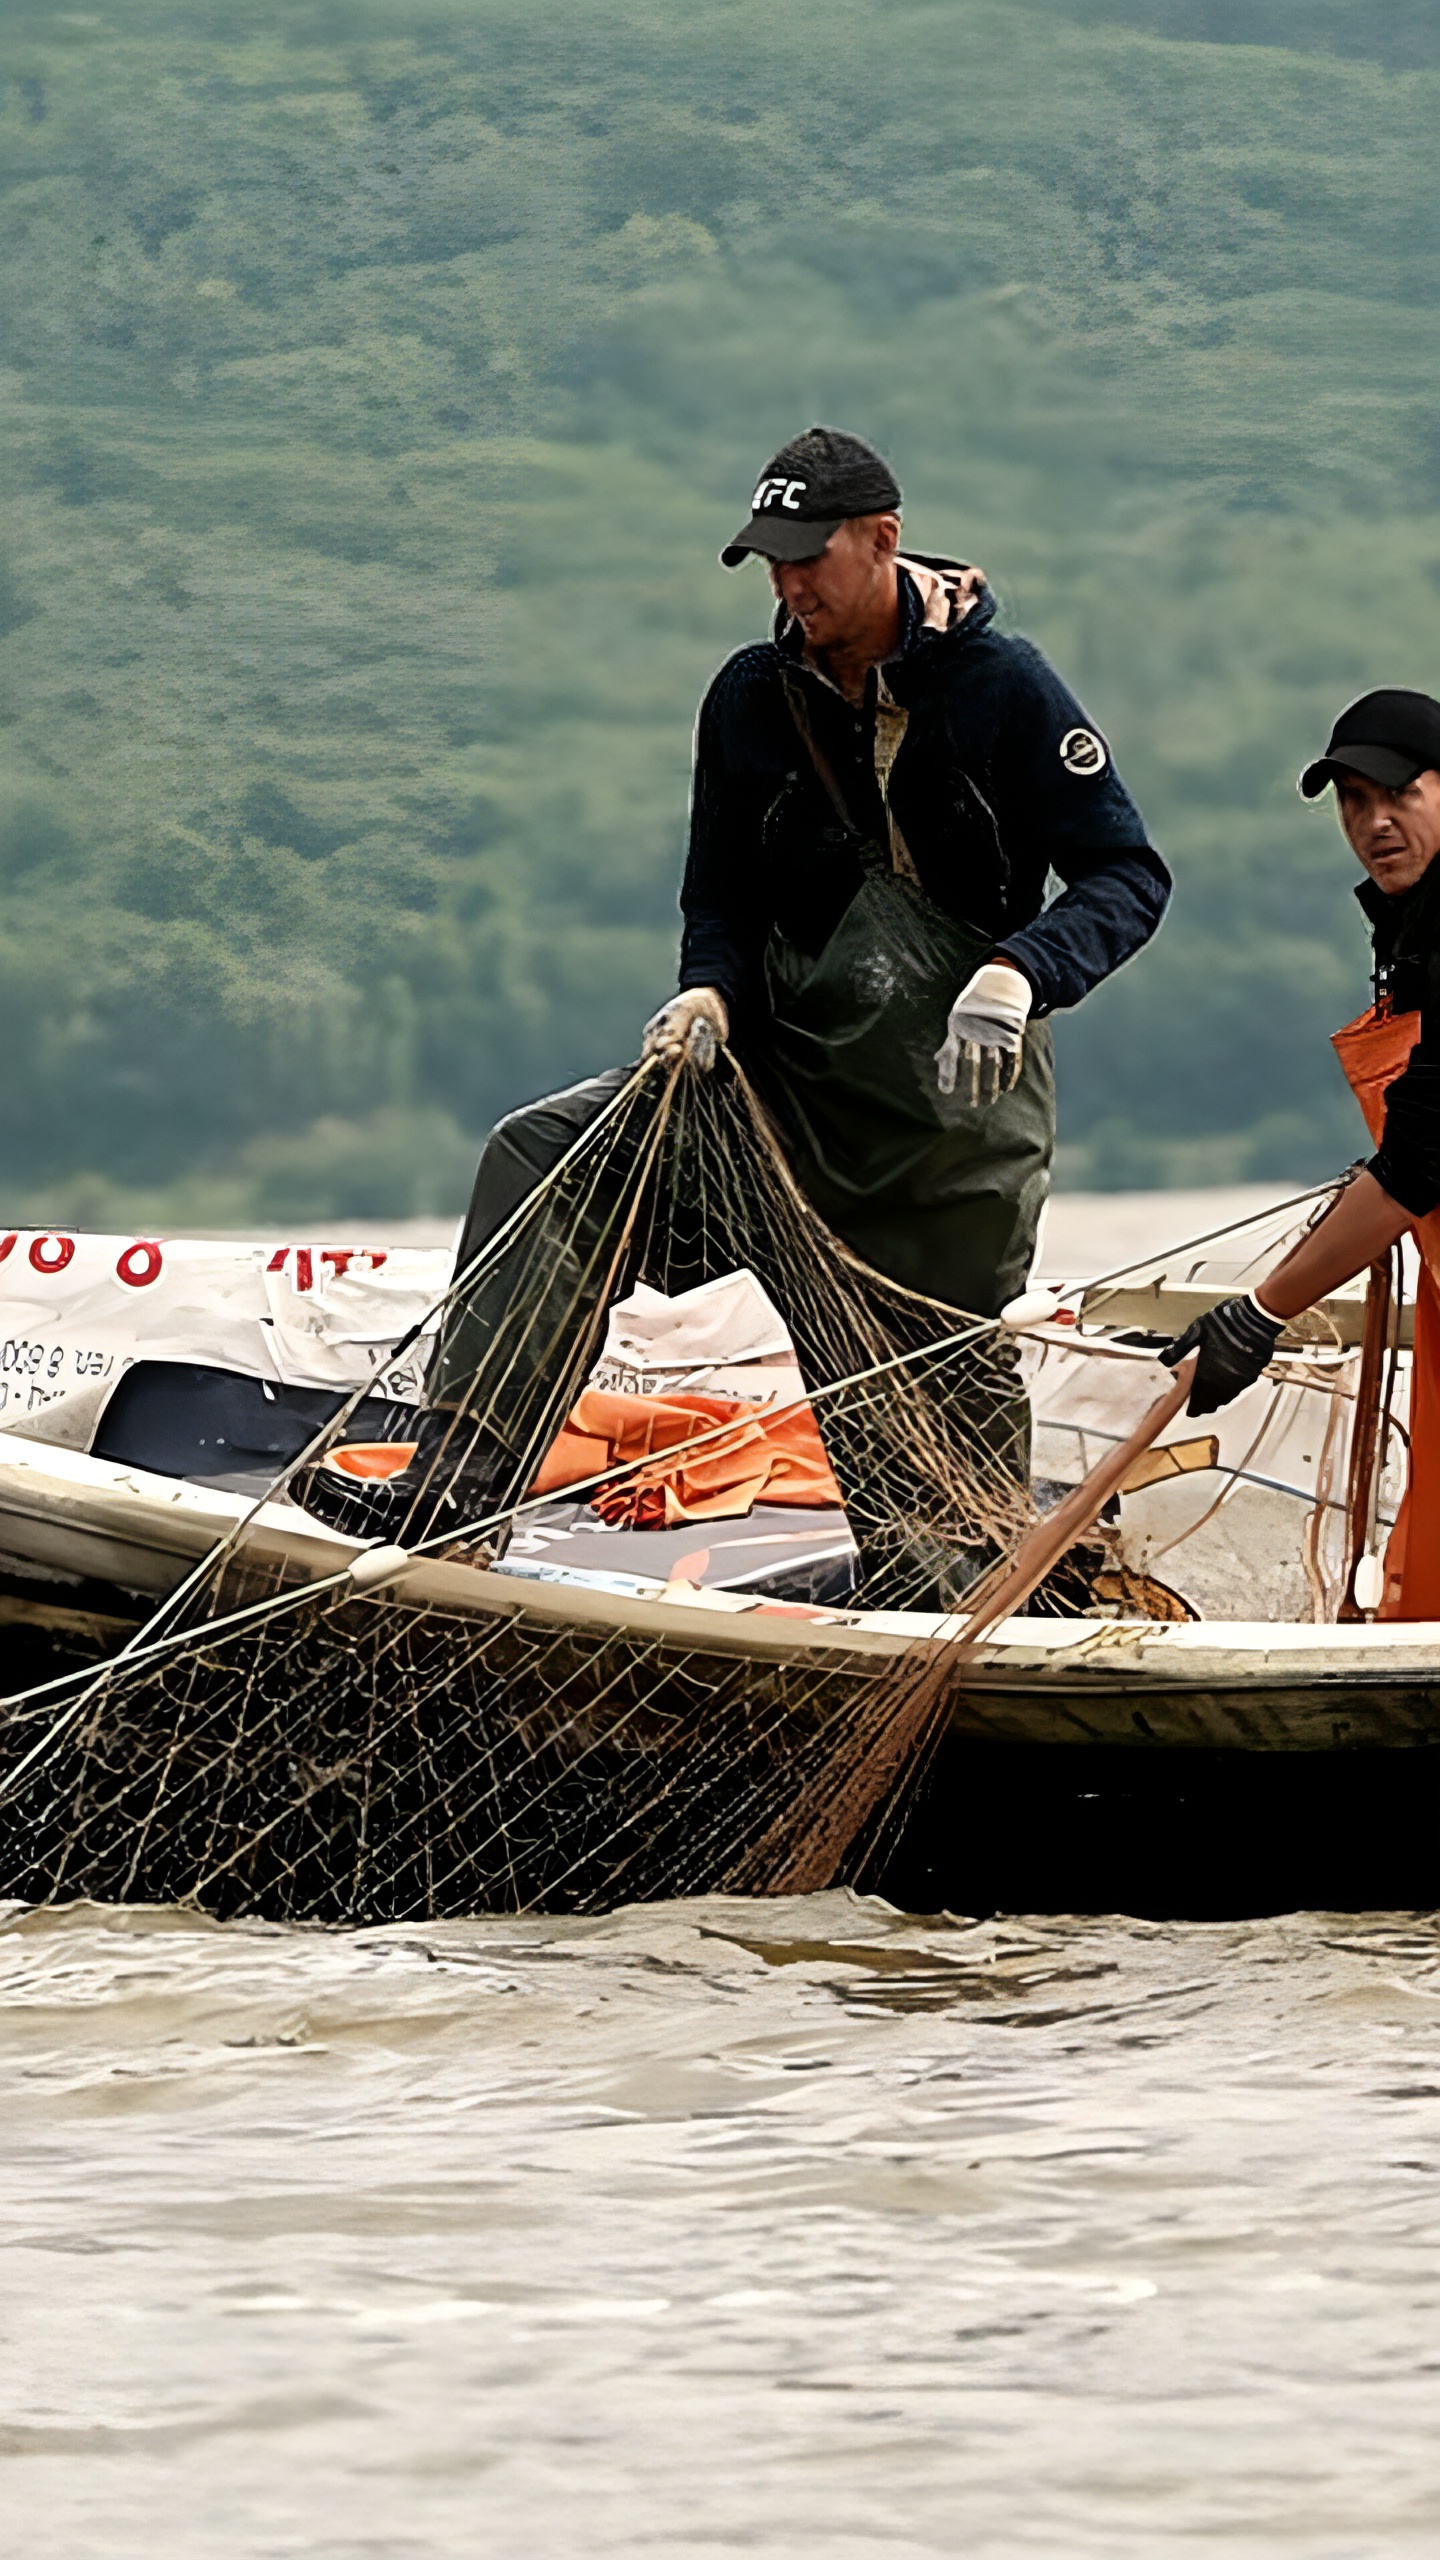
<point x="1384" y="762"/>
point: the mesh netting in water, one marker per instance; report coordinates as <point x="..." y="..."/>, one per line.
<point x="334" y="1757"/>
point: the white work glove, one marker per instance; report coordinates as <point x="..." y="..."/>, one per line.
<point x="692" y="1025"/>
<point x="984" y="1043"/>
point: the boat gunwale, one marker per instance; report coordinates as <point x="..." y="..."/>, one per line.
<point x="67" y="1488"/>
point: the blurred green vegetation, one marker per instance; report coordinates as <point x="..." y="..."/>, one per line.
<point x="379" y="384"/>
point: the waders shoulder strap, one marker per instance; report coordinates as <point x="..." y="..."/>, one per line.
<point x="871" y="854"/>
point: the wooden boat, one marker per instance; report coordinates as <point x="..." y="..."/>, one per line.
<point x="89" y="1542"/>
<point x="66" y="1518"/>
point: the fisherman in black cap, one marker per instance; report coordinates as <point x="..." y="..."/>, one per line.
<point x="882" y="790"/>
<point x="1383" y="761"/>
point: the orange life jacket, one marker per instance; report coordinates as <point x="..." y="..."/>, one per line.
<point x="1374" y="1050"/>
<point x="762" y="1455"/>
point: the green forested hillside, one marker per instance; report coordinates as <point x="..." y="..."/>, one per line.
<point x="379" y="383"/>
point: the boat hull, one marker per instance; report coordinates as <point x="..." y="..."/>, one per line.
<point x="1231" y="1709"/>
<point x="66" y="1518"/>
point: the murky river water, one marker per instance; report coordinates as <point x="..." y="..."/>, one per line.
<point x="775" y="2229"/>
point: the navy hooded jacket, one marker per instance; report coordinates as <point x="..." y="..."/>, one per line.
<point x="1000" y="780"/>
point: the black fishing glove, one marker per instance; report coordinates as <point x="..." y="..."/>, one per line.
<point x="1235" y="1342"/>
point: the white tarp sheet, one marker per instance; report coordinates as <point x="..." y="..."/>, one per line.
<point x="724" y="1338"/>
<point x="76" y="1311"/>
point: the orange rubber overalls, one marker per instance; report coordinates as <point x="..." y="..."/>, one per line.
<point x="1373" y="1050"/>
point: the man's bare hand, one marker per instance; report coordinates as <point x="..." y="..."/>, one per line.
<point x="947" y="599"/>
<point x="694" y="1025"/>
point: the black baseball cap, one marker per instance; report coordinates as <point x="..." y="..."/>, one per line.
<point x="808" y="488"/>
<point x="1389" y="737"/>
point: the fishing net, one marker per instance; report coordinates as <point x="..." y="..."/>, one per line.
<point x="285" y="1744"/>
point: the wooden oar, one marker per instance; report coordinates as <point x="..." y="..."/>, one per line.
<point x="813" y="1838"/>
<point x="1042" y="1547"/>
<point x="1365" y="1430"/>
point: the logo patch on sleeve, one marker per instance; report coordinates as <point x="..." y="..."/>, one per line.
<point x="1081" y="752"/>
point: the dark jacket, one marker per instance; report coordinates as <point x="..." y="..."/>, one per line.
<point x="1406" y="933"/>
<point x="1000" y="779"/>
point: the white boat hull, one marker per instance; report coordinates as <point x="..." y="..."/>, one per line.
<point x="66" y="1518"/>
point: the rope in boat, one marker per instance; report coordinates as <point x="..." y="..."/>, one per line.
<point x="1212" y="1235"/>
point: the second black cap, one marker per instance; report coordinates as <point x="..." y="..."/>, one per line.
<point x="1388" y="736"/>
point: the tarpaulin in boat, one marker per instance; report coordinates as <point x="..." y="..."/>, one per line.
<point x="706" y="1386"/>
<point x="723" y="1337"/>
<point x="77" y="1312"/>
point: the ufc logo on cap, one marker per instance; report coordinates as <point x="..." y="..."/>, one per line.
<point x="778" y="493"/>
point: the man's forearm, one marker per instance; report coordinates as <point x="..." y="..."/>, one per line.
<point x="1103" y="918"/>
<point x="712" y="955"/>
<point x="1363" y="1224"/>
